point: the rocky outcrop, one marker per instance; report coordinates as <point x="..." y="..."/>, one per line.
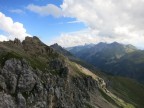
<point x="23" y="87"/>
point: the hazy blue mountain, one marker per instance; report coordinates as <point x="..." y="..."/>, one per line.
<point x="115" y="59"/>
<point x="111" y="50"/>
<point x="75" y="50"/>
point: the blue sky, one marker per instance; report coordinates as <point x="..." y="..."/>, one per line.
<point x="73" y="22"/>
<point x="45" y="27"/>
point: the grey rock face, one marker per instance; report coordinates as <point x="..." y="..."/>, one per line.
<point x="26" y="81"/>
<point x="21" y="101"/>
<point x="2" y="83"/>
<point x="6" y="101"/>
<point x="23" y="87"/>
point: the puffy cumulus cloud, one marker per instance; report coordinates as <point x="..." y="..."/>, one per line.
<point x="11" y="29"/>
<point x="105" y="15"/>
<point x="49" y="9"/>
<point x="121" y="21"/>
<point x="80" y="38"/>
<point x="92" y="36"/>
<point x="3" y="38"/>
<point x="110" y="20"/>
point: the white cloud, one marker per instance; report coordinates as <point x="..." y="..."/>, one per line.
<point x="92" y="36"/>
<point x="111" y="20"/>
<point x="79" y="38"/>
<point x="114" y="20"/>
<point x="3" y="38"/>
<point x="11" y="29"/>
<point x="18" y="11"/>
<point x="49" y="9"/>
<point x="72" y="22"/>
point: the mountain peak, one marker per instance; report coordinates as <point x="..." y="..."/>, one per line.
<point x="32" y="40"/>
<point x="61" y="50"/>
<point x="115" y="43"/>
<point x="17" y="41"/>
<point x="55" y="45"/>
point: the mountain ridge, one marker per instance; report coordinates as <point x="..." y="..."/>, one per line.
<point x="126" y="88"/>
<point x="115" y="59"/>
<point x="33" y="75"/>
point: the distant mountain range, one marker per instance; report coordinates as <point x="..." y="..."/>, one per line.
<point x="123" y="87"/>
<point x="114" y="58"/>
<point x="110" y="50"/>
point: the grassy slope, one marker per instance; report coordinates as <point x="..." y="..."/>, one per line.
<point x="129" y="90"/>
<point x="110" y="97"/>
